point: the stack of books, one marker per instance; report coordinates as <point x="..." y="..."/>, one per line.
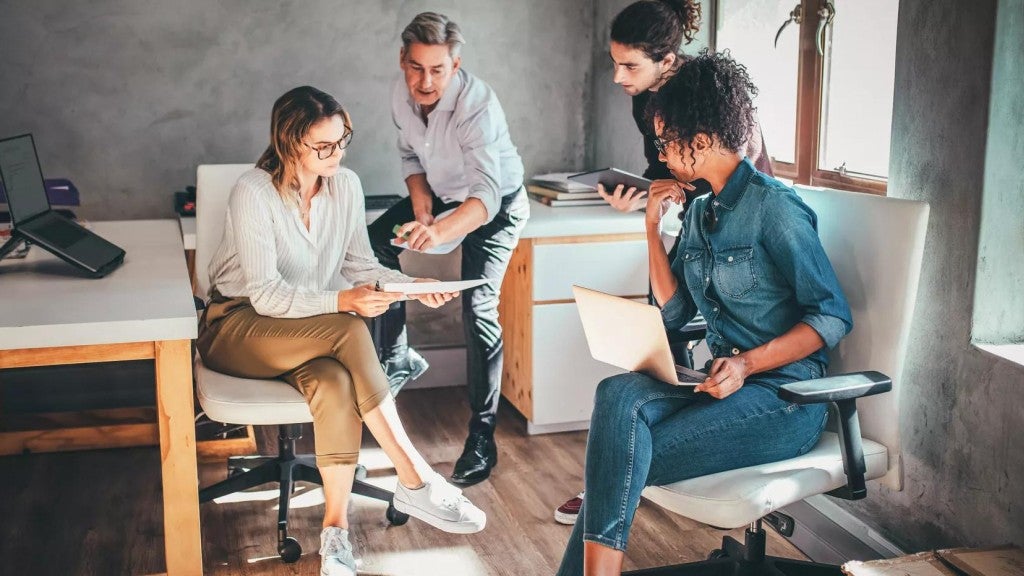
<point x="556" y="189"/>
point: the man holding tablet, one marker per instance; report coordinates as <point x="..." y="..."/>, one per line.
<point x="457" y="158"/>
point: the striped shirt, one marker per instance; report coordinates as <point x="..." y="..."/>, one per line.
<point x="287" y="271"/>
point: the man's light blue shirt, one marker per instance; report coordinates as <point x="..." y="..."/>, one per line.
<point x="464" y="148"/>
<point x="759" y="271"/>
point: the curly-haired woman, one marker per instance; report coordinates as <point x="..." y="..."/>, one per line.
<point x="646" y="39"/>
<point x="750" y="261"/>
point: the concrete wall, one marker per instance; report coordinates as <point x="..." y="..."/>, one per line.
<point x="999" y="297"/>
<point x="126" y="97"/>
<point x="963" y="409"/>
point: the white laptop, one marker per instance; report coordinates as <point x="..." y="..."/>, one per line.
<point x="631" y="336"/>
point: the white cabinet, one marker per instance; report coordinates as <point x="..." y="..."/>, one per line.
<point x="549" y="374"/>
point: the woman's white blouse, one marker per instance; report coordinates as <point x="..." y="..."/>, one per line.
<point x="286" y="271"/>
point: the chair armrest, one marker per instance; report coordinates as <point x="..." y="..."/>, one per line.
<point x="836" y="388"/>
<point x="842" y="392"/>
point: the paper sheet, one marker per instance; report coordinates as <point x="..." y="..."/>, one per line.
<point x="432" y="287"/>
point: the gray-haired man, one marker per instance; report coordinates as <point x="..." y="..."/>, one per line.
<point x="456" y="154"/>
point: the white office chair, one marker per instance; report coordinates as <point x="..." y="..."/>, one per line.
<point x="258" y="402"/>
<point x="875" y="245"/>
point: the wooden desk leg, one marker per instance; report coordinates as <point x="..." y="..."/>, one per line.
<point x="175" y="416"/>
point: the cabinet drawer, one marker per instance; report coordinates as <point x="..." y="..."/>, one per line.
<point x="564" y="373"/>
<point x="618" y="268"/>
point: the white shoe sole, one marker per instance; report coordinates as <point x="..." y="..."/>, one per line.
<point x="450" y="526"/>
<point x="563" y="518"/>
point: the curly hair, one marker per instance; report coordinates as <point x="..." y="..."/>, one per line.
<point x="711" y="94"/>
<point x="657" y="27"/>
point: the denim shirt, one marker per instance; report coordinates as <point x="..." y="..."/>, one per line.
<point x="758" y="272"/>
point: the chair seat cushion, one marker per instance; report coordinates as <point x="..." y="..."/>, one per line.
<point x="736" y="498"/>
<point x="235" y="400"/>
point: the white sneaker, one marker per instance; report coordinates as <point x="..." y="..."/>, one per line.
<point x="336" y="558"/>
<point x="441" y="505"/>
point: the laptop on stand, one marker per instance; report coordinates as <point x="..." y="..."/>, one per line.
<point x="36" y="222"/>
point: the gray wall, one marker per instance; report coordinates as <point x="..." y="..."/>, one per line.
<point x="963" y="409"/>
<point x="999" y="298"/>
<point x="126" y="97"/>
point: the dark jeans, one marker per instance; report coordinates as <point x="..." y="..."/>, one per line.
<point x="486" y="252"/>
<point x="647" y="433"/>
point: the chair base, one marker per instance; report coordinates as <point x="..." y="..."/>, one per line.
<point x="747" y="559"/>
<point x="245" y="472"/>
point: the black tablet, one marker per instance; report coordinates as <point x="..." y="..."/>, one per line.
<point x="610" y="178"/>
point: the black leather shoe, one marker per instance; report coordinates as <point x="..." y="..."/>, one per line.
<point x="478" y="457"/>
<point x="403" y="369"/>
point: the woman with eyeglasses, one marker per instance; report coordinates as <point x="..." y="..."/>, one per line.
<point x="291" y="282"/>
<point x="750" y="261"/>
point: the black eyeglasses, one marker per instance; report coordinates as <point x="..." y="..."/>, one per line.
<point x="710" y="217"/>
<point x="662" y="145"/>
<point x="325" y="151"/>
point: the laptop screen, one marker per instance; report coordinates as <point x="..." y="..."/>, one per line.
<point x="22" y="178"/>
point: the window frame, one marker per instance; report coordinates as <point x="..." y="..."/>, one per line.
<point x="810" y="74"/>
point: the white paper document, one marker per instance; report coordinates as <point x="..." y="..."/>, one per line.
<point x="432" y="287"/>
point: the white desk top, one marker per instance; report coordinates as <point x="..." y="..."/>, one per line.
<point x="45" y="302"/>
<point x="549" y="222"/>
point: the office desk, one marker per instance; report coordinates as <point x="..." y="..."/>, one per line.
<point x="549" y="374"/>
<point x="50" y="315"/>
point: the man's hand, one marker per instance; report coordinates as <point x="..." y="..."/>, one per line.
<point x="622" y="199"/>
<point x="418" y="236"/>
<point x="726" y="376"/>
<point x="365" y="301"/>
<point x="435" y="299"/>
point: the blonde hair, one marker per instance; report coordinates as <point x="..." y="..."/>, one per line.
<point x="294" y="114"/>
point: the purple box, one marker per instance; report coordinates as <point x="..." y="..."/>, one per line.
<point x="60" y="192"/>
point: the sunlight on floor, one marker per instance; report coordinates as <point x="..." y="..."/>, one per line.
<point x="452" y="561"/>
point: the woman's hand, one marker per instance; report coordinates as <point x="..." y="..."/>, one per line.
<point x="662" y="194"/>
<point x="726" y="376"/>
<point x="365" y="301"/>
<point x="434" y="299"/>
<point x="622" y="199"/>
<point x="418" y="236"/>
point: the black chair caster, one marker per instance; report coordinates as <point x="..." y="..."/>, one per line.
<point x="395" y="517"/>
<point x="289" y="550"/>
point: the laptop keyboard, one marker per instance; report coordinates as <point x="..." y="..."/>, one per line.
<point x="63" y="233"/>
<point x="689" y="376"/>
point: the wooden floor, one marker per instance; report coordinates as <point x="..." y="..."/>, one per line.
<point x="98" y="512"/>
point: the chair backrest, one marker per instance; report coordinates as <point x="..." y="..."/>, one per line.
<point x="876" y="246"/>
<point x="214" y="183"/>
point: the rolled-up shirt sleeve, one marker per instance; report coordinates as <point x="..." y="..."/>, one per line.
<point x="269" y="293"/>
<point x="680" y="308"/>
<point x="480" y="135"/>
<point x="793" y="244"/>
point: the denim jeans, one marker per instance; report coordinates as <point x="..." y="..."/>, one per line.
<point x="486" y="252"/>
<point x="644" y="432"/>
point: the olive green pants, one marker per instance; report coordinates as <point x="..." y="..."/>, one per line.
<point x="330" y="359"/>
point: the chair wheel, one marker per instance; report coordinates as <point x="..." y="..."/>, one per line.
<point x="289" y="550"/>
<point x="717" y="553"/>
<point x="395" y="517"/>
